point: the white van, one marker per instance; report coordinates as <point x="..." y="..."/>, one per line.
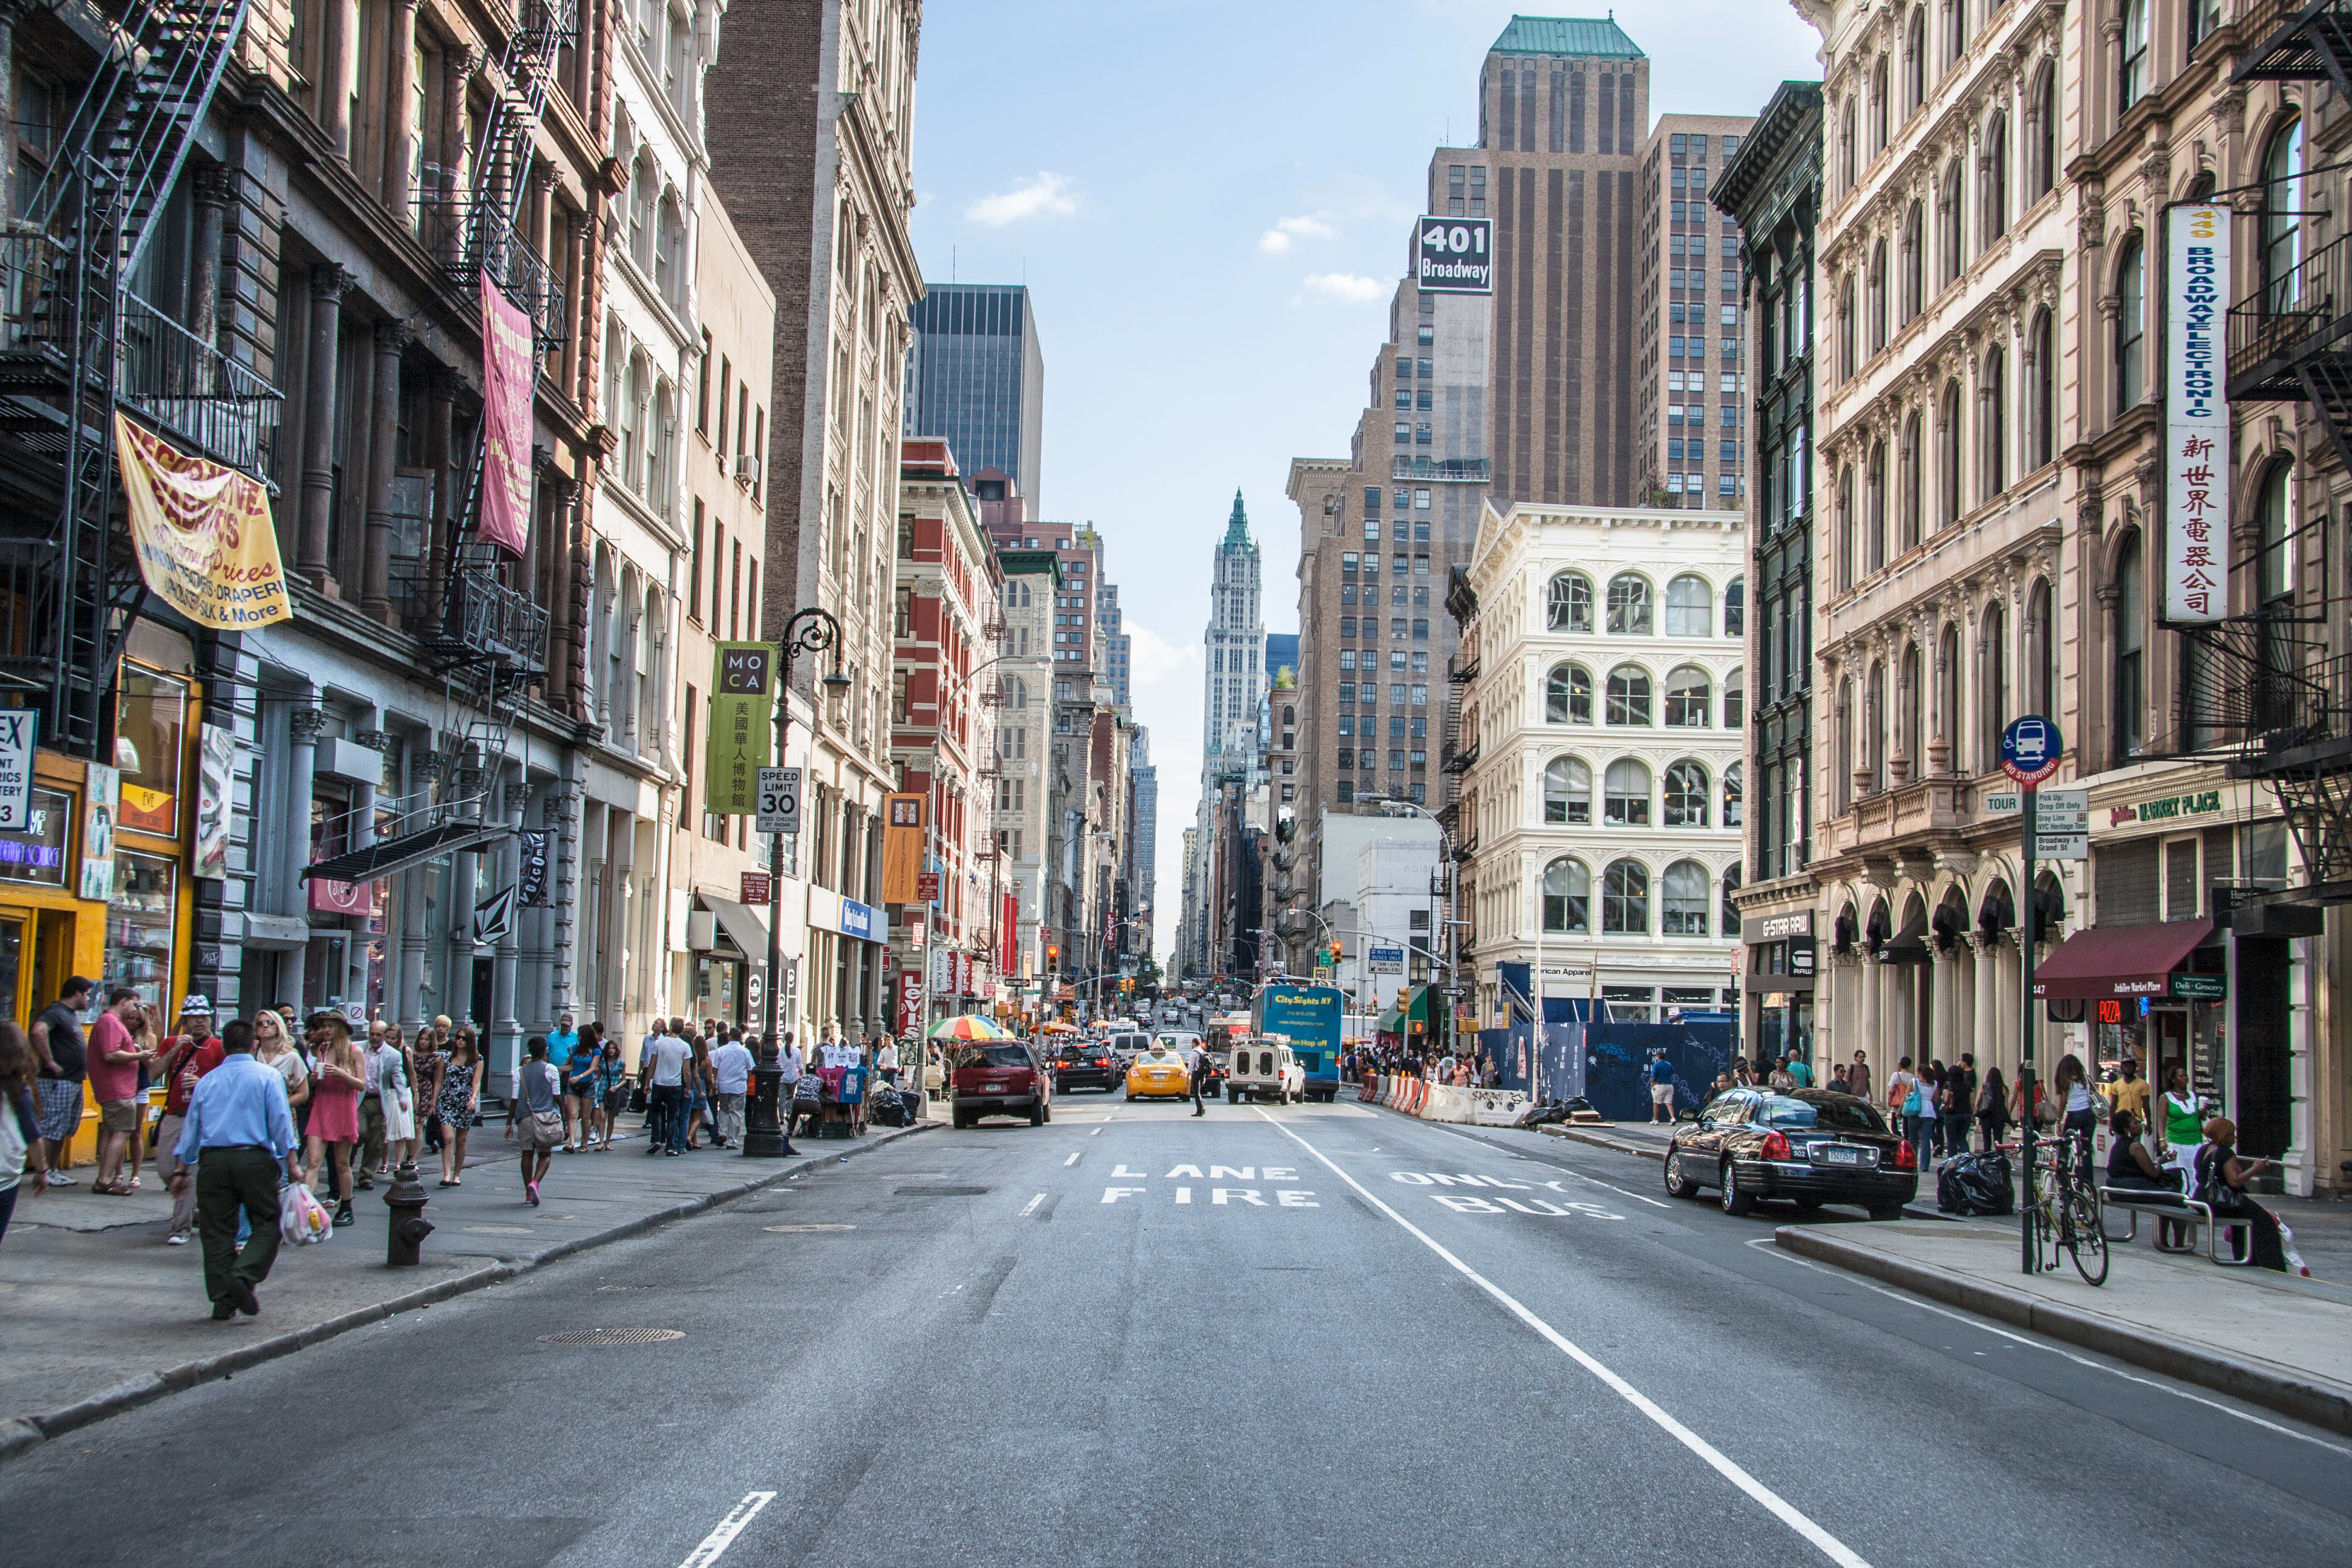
<point x="1263" y="1068"/>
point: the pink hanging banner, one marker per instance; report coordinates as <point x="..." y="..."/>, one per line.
<point x="507" y="378"/>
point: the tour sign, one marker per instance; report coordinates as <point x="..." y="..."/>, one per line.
<point x="2030" y="749"/>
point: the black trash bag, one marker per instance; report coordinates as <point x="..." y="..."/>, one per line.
<point x="1975" y="1185"/>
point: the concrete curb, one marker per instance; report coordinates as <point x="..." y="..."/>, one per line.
<point x="21" y="1434"/>
<point x="1599" y="1141"/>
<point x="2321" y="1404"/>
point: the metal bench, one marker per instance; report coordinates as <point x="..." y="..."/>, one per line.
<point x="2189" y="1213"/>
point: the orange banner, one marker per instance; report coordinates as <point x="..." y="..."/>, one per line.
<point x="507" y="373"/>
<point x="902" y="848"/>
<point x="205" y="543"/>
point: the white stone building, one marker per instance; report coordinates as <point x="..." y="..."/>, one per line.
<point x="1024" y="685"/>
<point x="1602" y="744"/>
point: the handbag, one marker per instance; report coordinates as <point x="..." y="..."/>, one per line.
<point x="547" y="1128"/>
<point x="1916" y="1102"/>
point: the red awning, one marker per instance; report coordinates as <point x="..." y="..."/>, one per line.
<point x="2118" y="960"/>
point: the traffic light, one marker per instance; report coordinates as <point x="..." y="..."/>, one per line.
<point x="1332" y="957"/>
<point x="1053" y="956"/>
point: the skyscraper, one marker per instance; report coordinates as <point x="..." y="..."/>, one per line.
<point x="1692" y="374"/>
<point x="1234" y="645"/>
<point x="976" y="377"/>
<point x="1116" y="643"/>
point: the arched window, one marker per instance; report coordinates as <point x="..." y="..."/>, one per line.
<point x="1882" y="108"/>
<point x="1629" y="696"/>
<point x="1842" y="786"/>
<point x="2131" y="55"/>
<point x="1570" y="606"/>
<point x="1568" y="793"/>
<point x="1873" y="729"/>
<point x="1845" y="361"/>
<point x="660" y="446"/>
<point x="1735" y="700"/>
<point x="1914" y="61"/>
<point x="1992" y="695"/>
<point x="1735" y="788"/>
<point x="1567" y="897"/>
<point x="2042" y="135"/>
<point x="1690" y="607"/>
<point x="1683" y="894"/>
<point x="1019" y="689"/>
<point x="1625" y="794"/>
<point x="1845" y="572"/>
<point x="1947" y="457"/>
<point x="1735" y="608"/>
<point x="1956" y="31"/>
<point x="2282" y="218"/>
<point x="1687" y="790"/>
<point x="1689" y="698"/>
<point x="1731" y="881"/>
<point x="1915" y="262"/>
<point x="1993" y="402"/>
<point x="1567" y="695"/>
<point x="1906" y="710"/>
<point x="1849" y="161"/>
<point x="2131" y="323"/>
<point x="2041" y="650"/>
<point x="2041" y="393"/>
<point x="1992" y="186"/>
<point x="670" y="249"/>
<point x="2275" y="531"/>
<point x="1629" y="606"/>
<point x="1947" y="725"/>
<point x="1874" y="296"/>
<point x="1873" y="506"/>
<point x="1908" y="465"/>
<point x="1625" y="900"/>
<point x="1948" y="216"/>
<point x="1289" y="716"/>
<point x="2130" y="652"/>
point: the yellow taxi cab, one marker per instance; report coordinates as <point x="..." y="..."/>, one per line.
<point x="1158" y="1070"/>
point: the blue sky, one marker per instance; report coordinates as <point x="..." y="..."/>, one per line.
<point x="1210" y="202"/>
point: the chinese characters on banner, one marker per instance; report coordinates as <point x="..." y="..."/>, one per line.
<point x="2196" y="417"/>
<point x="205" y="544"/>
<point x="507" y="372"/>
<point x="742" y="715"/>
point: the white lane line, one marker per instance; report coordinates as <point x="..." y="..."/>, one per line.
<point x="1031" y="1207"/>
<point x="1095" y="1133"/>
<point x="1489" y="1148"/>
<point x="1070" y="1162"/>
<point x="1773" y="1249"/>
<point x="1829" y="1545"/>
<point x="718" y="1539"/>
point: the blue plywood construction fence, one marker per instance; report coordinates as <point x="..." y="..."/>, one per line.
<point x="1617" y="1059"/>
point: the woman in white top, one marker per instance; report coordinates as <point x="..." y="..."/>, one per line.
<point x="398" y="1094"/>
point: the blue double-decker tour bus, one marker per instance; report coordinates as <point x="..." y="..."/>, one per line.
<point x="1309" y="1015"/>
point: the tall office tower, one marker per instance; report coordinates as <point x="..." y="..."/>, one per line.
<point x="1116" y="644"/>
<point x="976" y="377"/>
<point x="1146" y="774"/>
<point x="1234" y="645"/>
<point x="1692" y="408"/>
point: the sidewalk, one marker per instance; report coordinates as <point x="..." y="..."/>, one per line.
<point x="102" y="1316"/>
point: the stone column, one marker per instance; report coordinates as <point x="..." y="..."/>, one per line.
<point x="304" y="726"/>
<point x="341" y="60"/>
<point x="440" y="441"/>
<point x="620" y="889"/>
<point x="419" y="768"/>
<point x="456" y="69"/>
<point x="507" y="1031"/>
<point x="1984" y="1026"/>
<point x="391" y="341"/>
<point x="1943" y="1045"/>
<point x="400" y="124"/>
<point x="363" y="803"/>
<point x="212" y="194"/>
<point x="458" y="920"/>
<point x="1871" y="997"/>
<point x="328" y="282"/>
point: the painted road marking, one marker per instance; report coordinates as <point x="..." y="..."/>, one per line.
<point x="718" y="1539"/>
<point x="1829" y="1545"/>
<point x="1183" y="1194"/>
<point x="1465" y="1203"/>
<point x="1112" y="1195"/>
<point x="1131" y="1175"/>
<point x="1031" y="1207"/>
<point x="1773" y="1249"/>
<point x="1095" y="1133"/>
<point x="1481" y="1143"/>
<point x="1069" y="1163"/>
<point x="1247" y="1195"/>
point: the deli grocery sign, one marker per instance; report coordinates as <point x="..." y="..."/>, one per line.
<point x="1454" y="255"/>
<point x="2196" y="415"/>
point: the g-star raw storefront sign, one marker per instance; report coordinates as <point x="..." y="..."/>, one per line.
<point x="2196" y="415"/>
<point x="1454" y="255"/>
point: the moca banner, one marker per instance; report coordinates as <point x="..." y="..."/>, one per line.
<point x="506" y="376"/>
<point x="742" y="704"/>
<point x="2196" y="415"/>
<point x="206" y="544"/>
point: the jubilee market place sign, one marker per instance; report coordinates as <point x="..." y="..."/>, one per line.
<point x="2166" y="807"/>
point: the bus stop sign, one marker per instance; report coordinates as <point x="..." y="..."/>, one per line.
<point x="2030" y="749"/>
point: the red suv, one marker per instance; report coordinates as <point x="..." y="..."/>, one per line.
<point x="998" y="1078"/>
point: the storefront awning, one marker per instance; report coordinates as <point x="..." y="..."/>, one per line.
<point x="743" y="925"/>
<point x="2118" y="960"/>
<point x="390" y="856"/>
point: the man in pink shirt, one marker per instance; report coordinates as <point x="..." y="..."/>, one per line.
<point x="115" y="1058"/>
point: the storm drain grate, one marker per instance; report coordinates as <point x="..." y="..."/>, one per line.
<point x="939" y="1191"/>
<point x="612" y="1337"/>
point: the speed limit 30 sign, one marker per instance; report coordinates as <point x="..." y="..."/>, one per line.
<point x="778" y="809"/>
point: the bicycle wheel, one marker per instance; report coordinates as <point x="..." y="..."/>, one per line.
<point x="2085" y="1239"/>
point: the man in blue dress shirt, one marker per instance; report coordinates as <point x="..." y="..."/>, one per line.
<point x="240" y="1134"/>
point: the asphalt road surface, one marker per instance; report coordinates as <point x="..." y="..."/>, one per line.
<point x="1289" y="1336"/>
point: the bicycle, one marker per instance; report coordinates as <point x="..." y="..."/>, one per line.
<point x="2063" y="1208"/>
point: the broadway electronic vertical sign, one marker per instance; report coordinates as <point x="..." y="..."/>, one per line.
<point x="2196" y="415"/>
<point x="1454" y="255"/>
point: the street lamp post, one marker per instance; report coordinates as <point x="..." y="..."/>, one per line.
<point x="809" y="630"/>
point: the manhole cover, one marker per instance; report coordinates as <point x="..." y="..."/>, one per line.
<point x="798" y="1230"/>
<point x="612" y="1337"/>
<point x="939" y="1191"/>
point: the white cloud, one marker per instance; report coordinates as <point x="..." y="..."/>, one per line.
<point x="1153" y="659"/>
<point x="1042" y="195"/>
<point x="1344" y="286"/>
<point x="1276" y="240"/>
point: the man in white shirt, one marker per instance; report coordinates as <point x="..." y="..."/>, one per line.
<point x="661" y="1065"/>
<point x="731" y="1065"/>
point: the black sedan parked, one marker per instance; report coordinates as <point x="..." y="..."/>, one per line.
<point x="1810" y="1147"/>
<point x="1087" y="1065"/>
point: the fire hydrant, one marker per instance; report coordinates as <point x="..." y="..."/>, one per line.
<point x="409" y="1226"/>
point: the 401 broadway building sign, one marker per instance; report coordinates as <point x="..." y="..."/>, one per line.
<point x="2196" y="417"/>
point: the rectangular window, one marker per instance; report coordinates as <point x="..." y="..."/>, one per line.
<point x="1405" y="433"/>
<point x="702" y="390"/>
<point x="1347" y="687"/>
<point x="1346" y="661"/>
<point x="1371" y="530"/>
<point x="1348" y="561"/>
<point x="694" y="566"/>
<point x="1421" y="500"/>
<point x="1420" y="631"/>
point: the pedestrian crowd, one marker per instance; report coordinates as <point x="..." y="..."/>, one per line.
<point x="1470" y="1069"/>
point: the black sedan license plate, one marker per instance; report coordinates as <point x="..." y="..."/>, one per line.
<point x="1838" y="1155"/>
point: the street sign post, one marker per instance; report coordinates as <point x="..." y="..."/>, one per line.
<point x="2031" y="749"/>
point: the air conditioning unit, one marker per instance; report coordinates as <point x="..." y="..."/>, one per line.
<point x="747" y="469"/>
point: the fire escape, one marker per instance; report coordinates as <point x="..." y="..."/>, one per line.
<point x="2271" y="688"/>
<point x="76" y="345"/>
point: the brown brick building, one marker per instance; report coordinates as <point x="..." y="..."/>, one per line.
<point x="1692" y="373"/>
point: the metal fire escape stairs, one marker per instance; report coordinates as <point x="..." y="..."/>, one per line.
<point x="78" y="344"/>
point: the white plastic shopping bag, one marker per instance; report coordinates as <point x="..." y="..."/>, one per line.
<point x="301" y="1218"/>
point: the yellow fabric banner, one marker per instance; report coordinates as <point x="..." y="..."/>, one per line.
<point x="205" y="542"/>
<point x="742" y="718"/>
<point x="902" y="848"/>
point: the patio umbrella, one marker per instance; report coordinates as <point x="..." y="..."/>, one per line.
<point x="970" y="1026"/>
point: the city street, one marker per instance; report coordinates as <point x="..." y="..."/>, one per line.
<point x="1303" y="1335"/>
